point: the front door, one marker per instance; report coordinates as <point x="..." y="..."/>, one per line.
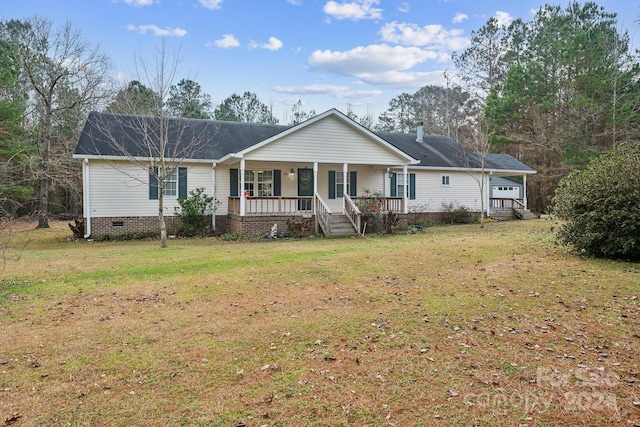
<point x="305" y="188"/>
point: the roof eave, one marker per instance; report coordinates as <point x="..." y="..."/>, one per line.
<point x="136" y="158"/>
<point x="506" y="172"/>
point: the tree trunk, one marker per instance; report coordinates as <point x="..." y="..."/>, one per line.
<point x="163" y="224"/>
<point x="482" y="199"/>
<point x="43" y="204"/>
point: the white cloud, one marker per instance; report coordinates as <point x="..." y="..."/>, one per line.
<point x="273" y="44"/>
<point x="402" y="79"/>
<point x="380" y="64"/>
<point x="333" y="90"/>
<point x="404" y="7"/>
<point x="211" y="4"/>
<point x="434" y="36"/>
<point x="138" y="3"/>
<point x="226" y="42"/>
<point x="295" y="2"/>
<point x="503" y="18"/>
<point x="142" y="29"/>
<point x="374" y="57"/>
<point x="354" y="10"/>
<point x="460" y="17"/>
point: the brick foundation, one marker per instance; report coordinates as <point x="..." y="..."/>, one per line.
<point x="431" y="217"/>
<point x="134" y="226"/>
<point x="246" y="227"/>
<point x="424" y="217"/>
<point x="255" y="227"/>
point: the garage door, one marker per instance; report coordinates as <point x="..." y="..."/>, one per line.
<point x="506" y="192"/>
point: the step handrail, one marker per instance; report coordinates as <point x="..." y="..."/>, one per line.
<point x="323" y="215"/>
<point x="352" y="212"/>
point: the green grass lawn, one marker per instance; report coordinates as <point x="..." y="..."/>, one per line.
<point x="452" y="326"/>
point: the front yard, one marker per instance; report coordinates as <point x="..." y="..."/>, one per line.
<point x="452" y="326"/>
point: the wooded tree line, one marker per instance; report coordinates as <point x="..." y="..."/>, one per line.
<point x="553" y="92"/>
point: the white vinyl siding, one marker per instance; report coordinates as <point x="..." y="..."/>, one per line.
<point x="327" y="141"/>
<point x="122" y="189"/>
<point x="431" y="194"/>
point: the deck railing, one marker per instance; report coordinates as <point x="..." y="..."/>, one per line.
<point x="506" y="203"/>
<point x="352" y="212"/>
<point x="323" y="215"/>
<point x="272" y="206"/>
<point x="379" y="204"/>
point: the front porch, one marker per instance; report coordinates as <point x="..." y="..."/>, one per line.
<point x="509" y="208"/>
<point x="261" y="213"/>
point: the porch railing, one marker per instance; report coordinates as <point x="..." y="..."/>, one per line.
<point x="323" y="215"/>
<point x="506" y="203"/>
<point x="272" y="205"/>
<point x="379" y="204"/>
<point x="352" y="212"/>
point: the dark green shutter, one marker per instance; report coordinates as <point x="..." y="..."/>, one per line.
<point x="233" y="180"/>
<point x="353" y="184"/>
<point x="153" y="183"/>
<point x="182" y="183"/>
<point x="277" y="183"/>
<point x="412" y="186"/>
<point x="394" y="186"/>
<point x="332" y="184"/>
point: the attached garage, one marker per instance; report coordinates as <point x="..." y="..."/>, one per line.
<point x="505" y="188"/>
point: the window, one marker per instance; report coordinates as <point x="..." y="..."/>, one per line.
<point x="265" y="183"/>
<point x="259" y="183"/>
<point x="171" y="184"/>
<point x="399" y="188"/>
<point x="175" y="185"/>
<point x="340" y="184"/>
<point x="337" y="186"/>
<point x="249" y="182"/>
<point x="445" y="180"/>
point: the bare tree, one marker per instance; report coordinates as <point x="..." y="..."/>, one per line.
<point x="65" y="76"/>
<point x="156" y="144"/>
<point x="477" y="143"/>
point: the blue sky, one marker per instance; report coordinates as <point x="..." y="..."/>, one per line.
<point x="326" y="53"/>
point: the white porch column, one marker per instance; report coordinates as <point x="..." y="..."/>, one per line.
<point x="315" y="185"/>
<point x="487" y="199"/>
<point x="315" y="178"/>
<point x="213" y="188"/>
<point x="86" y="194"/>
<point x="385" y="178"/>
<point x="524" y="190"/>
<point x="242" y="198"/>
<point x="405" y="199"/>
<point x="345" y="173"/>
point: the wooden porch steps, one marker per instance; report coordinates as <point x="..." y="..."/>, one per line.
<point x="341" y="226"/>
<point x="512" y="213"/>
<point x="523" y="214"/>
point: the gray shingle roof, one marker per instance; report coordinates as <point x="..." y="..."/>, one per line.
<point x="215" y="139"/>
<point x="218" y="139"/>
<point x="443" y="152"/>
